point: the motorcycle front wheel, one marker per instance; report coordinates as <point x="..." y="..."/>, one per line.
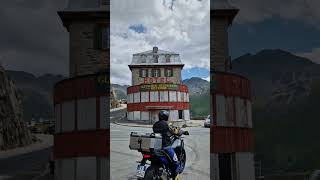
<point x="155" y="173"/>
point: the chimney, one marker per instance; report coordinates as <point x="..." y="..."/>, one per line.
<point x="155" y="49"/>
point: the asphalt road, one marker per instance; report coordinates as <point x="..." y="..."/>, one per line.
<point x="123" y="160"/>
<point x="30" y="166"/>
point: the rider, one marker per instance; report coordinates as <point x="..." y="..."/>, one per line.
<point x="163" y="128"/>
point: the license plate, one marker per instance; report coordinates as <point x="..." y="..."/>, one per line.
<point x="141" y="170"/>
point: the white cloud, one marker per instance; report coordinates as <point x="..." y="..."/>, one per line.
<point x="207" y="78"/>
<point x="185" y="29"/>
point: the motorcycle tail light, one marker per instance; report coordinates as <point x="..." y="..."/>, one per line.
<point x="146" y="156"/>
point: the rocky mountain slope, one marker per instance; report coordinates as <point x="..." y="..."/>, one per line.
<point x="286" y="93"/>
<point x="13" y="130"/>
<point x="197" y="86"/>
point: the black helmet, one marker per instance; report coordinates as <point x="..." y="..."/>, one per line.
<point x="163" y="115"/>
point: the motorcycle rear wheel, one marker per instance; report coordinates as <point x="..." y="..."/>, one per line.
<point x="153" y="173"/>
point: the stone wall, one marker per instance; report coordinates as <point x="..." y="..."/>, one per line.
<point x="85" y="56"/>
<point x="219" y="44"/>
<point x="13" y="130"/>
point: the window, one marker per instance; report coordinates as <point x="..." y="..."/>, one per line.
<point x="143" y="58"/>
<point x="102" y="38"/>
<point x="145" y="96"/>
<point x="154" y="97"/>
<point x="173" y="96"/>
<point x="143" y="73"/>
<point x="163" y="96"/>
<point x="136" y="97"/>
<point x="155" y="58"/>
<point x="167" y="58"/>
<point x="156" y="73"/>
<point x="168" y="72"/>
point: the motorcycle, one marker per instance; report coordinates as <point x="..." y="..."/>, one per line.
<point x="157" y="164"/>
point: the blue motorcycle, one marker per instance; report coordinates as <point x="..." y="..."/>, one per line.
<point x="157" y="165"/>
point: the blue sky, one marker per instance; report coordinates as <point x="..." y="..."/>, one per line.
<point x="195" y="72"/>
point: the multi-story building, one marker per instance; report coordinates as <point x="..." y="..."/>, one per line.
<point x="157" y="85"/>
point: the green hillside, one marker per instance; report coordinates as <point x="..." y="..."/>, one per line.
<point x="200" y="106"/>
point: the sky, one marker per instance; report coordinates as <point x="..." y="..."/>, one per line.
<point x="33" y="39"/>
<point x="181" y="26"/>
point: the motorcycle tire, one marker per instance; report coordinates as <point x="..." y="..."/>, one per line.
<point x="183" y="160"/>
<point x="152" y="173"/>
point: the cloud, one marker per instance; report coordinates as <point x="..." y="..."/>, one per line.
<point x="314" y="55"/>
<point x="252" y="11"/>
<point x="207" y="78"/>
<point x="183" y="28"/>
<point x="32" y="36"/>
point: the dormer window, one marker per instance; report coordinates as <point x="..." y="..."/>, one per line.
<point x="143" y="58"/>
<point x="155" y="58"/>
<point x="167" y="58"/>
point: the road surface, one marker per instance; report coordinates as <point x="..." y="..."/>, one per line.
<point x="123" y="160"/>
<point x="30" y="166"/>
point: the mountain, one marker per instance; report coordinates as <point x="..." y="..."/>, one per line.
<point x="121" y="91"/>
<point x="285" y="95"/>
<point x="197" y="86"/>
<point x="199" y="95"/>
<point x="36" y="92"/>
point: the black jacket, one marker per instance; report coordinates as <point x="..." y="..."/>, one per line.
<point x="163" y="128"/>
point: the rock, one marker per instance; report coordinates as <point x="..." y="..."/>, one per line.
<point x="13" y="130"/>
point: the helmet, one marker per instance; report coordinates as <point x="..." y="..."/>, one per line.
<point x="163" y="115"/>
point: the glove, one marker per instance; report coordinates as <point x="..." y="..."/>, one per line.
<point x="186" y="133"/>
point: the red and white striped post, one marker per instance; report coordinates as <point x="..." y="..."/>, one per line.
<point x="231" y="131"/>
<point x="81" y="103"/>
<point x="231" y="136"/>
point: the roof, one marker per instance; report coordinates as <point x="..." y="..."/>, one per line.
<point x="221" y="5"/>
<point x="156" y="57"/>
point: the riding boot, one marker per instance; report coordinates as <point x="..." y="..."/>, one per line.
<point x="176" y="177"/>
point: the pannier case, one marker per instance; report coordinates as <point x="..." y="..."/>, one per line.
<point x="145" y="142"/>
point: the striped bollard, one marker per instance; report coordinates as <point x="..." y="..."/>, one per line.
<point x="81" y="141"/>
<point x="231" y="132"/>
